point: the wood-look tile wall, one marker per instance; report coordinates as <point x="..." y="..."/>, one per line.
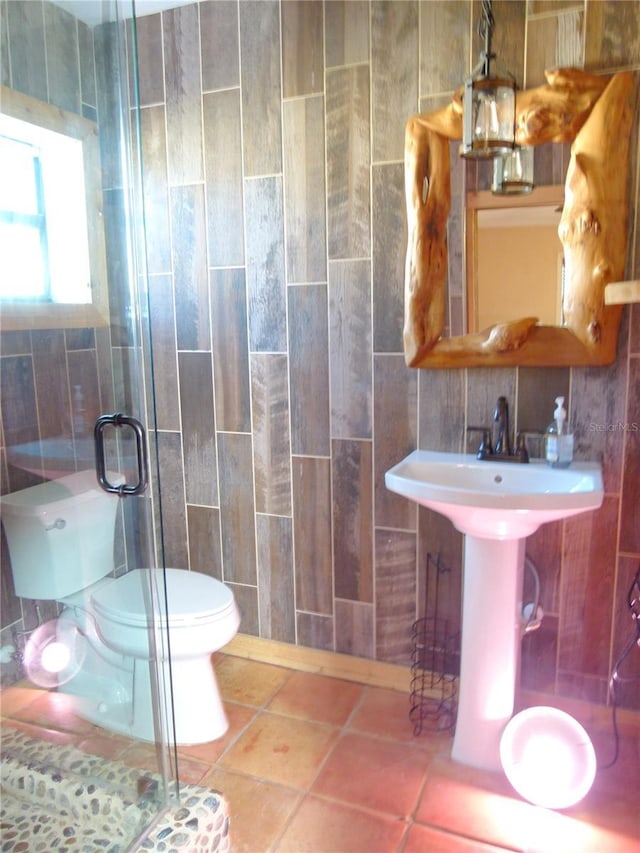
<point x="272" y="136"/>
<point x="296" y="167"/>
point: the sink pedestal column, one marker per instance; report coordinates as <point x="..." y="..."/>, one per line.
<point x="490" y="653"/>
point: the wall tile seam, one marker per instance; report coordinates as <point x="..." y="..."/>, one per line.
<point x="259" y="513"/>
<point x="307" y="283"/>
<point x="346" y="66"/>
<point x="242" y="584"/>
<point x="223" y="267"/>
<point x="262" y="177"/>
<point x="556" y="13"/>
<point x="310" y="456"/>
<point x="328" y="615"/>
<point x="367" y="439"/>
<point x="149" y="106"/>
<point x="399" y="161"/>
<point x="631" y="555"/>
<point x="221" y="90"/>
<point x="387" y="528"/>
<point x="335" y="259"/>
<point x="304" y="96"/>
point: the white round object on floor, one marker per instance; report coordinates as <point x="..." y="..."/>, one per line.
<point x="548" y="757"/>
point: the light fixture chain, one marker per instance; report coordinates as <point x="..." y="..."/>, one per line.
<point x="485" y="29"/>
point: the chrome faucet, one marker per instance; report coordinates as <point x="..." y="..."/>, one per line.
<point x="501" y="450"/>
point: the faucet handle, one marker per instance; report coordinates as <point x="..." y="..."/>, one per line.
<point x="535" y="434"/>
<point x="521" y="448"/>
<point x="484" y="448"/>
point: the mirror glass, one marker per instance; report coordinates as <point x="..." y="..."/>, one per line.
<point x="518" y="266"/>
<point x="52" y="247"/>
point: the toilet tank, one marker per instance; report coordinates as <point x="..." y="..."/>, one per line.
<point x="60" y="535"/>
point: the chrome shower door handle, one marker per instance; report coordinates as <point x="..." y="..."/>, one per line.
<point x="120" y="420"/>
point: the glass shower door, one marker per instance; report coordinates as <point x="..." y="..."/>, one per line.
<point x="75" y="346"/>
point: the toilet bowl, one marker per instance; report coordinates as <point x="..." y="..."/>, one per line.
<point x="201" y="617"/>
<point x="59" y="550"/>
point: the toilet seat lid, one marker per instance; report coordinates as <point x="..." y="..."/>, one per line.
<point x="191" y="596"/>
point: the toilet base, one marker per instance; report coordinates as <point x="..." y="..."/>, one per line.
<point x="198" y="713"/>
<point x="197" y="706"/>
<point x="115" y="691"/>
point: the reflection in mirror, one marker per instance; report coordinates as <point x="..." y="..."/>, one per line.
<point x="52" y="245"/>
<point x="514" y="258"/>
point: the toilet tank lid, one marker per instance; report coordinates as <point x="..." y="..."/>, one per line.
<point x="190" y="595"/>
<point x="45" y="496"/>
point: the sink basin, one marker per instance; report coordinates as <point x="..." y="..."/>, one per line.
<point x="497" y="500"/>
<point x="496" y="505"/>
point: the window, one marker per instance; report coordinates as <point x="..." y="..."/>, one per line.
<point x="24" y="265"/>
<point x="52" y="260"/>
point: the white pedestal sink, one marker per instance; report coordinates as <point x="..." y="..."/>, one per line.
<point x="496" y="505"/>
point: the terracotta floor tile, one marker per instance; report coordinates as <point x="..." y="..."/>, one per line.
<point x="285" y="736"/>
<point x="386" y="713"/>
<point x="14" y="699"/>
<point x="239" y="716"/>
<point x="549" y="832"/>
<point x="606" y="811"/>
<point x="142" y="756"/>
<point x="105" y="744"/>
<point x="622" y="779"/>
<point x="482" y="806"/>
<point x="56" y="711"/>
<point x="258" y="810"/>
<point x="317" y="697"/>
<point x="425" y="839"/>
<point x="247" y="681"/>
<point x="320" y="826"/>
<point x="191" y="771"/>
<point x="373" y="773"/>
<point x="40" y="733"/>
<point x="281" y="749"/>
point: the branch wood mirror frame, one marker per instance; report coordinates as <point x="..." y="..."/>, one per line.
<point x="595" y="113"/>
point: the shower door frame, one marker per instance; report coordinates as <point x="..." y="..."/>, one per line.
<point x="125" y="375"/>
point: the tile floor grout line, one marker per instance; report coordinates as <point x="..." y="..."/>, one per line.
<point x="308" y="790"/>
<point x="345" y="729"/>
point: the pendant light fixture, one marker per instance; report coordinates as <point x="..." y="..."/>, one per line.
<point x="513" y="172"/>
<point x="488" y="104"/>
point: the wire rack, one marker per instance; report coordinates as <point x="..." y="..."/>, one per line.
<point x="435" y="658"/>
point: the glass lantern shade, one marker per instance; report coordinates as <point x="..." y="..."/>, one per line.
<point x="513" y="172"/>
<point x="488" y="118"/>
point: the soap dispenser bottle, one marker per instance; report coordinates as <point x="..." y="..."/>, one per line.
<point x="558" y="439"/>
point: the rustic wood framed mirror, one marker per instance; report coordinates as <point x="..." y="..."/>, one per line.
<point x="593" y="112"/>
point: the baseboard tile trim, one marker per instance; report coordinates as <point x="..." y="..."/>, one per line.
<point x="334" y="664"/>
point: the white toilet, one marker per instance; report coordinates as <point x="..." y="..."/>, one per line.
<point x="61" y="536"/>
